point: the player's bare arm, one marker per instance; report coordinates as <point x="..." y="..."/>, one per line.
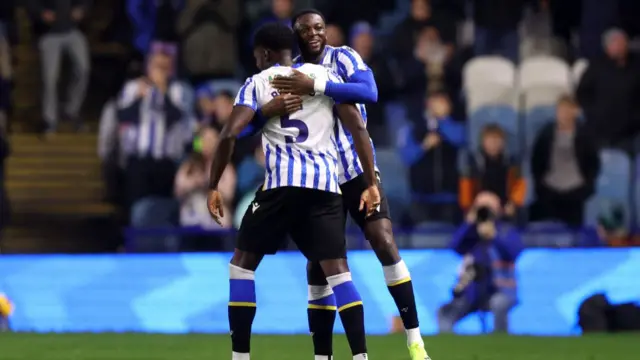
<point x="353" y="122"/>
<point x="281" y="105"/>
<point x="240" y="117"/>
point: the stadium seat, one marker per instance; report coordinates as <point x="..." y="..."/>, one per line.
<point x="578" y="70"/>
<point x="544" y="71"/>
<point x="396" y="118"/>
<point x="613" y="186"/>
<point x="548" y="234"/>
<point x="215" y="86"/>
<point x="431" y="235"/>
<point x="536" y="119"/>
<point x="488" y="70"/>
<point x="394" y="177"/>
<point x="504" y="116"/>
<point x="490" y="95"/>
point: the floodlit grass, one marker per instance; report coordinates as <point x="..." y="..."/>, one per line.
<point x="22" y="346"/>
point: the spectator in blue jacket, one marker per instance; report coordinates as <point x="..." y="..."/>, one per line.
<point x="429" y="147"/>
<point x="487" y="279"/>
<point x="153" y="20"/>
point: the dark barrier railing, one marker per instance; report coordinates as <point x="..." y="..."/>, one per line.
<point x="433" y="236"/>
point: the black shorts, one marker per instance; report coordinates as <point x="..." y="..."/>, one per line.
<point x="314" y="220"/>
<point x="351" y="192"/>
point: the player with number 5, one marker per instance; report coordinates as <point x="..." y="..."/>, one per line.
<point x="301" y="192"/>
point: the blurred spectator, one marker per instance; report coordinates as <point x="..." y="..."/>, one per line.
<point x="214" y="108"/>
<point x="496" y="27"/>
<point x="492" y="170"/>
<point x="609" y="91"/>
<point x="4" y="199"/>
<point x="153" y="20"/>
<point x="424" y="47"/>
<point x="406" y="34"/>
<point x="280" y="11"/>
<point x="565" y="20"/>
<point x="56" y="23"/>
<point x="335" y="36"/>
<point x="565" y="165"/>
<point x="251" y="172"/>
<point x="363" y="42"/>
<point x="192" y="181"/>
<point x="487" y="278"/>
<point x="430" y="148"/>
<point x="207" y="32"/>
<point x="112" y="160"/>
<point x="153" y="128"/>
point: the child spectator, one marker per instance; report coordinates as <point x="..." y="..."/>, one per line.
<point x="494" y="171"/>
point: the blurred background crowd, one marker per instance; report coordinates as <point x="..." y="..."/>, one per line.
<point x="531" y="104"/>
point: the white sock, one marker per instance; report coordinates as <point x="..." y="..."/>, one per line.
<point x="414" y="336"/>
<point x="395" y="273"/>
<point x="322" y="357"/>
<point x="360" y="357"/>
<point x="240" y="356"/>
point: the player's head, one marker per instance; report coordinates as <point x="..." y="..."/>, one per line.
<point x="310" y="29"/>
<point x="272" y="43"/>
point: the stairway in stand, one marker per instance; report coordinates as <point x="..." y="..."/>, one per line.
<point x="56" y="190"/>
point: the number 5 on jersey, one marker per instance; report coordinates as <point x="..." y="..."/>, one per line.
<point x="303" y="130"/>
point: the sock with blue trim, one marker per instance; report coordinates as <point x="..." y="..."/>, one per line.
<point x="242" y="310"/>
<point x="322" y="316"/>
<point x="351" y="311"/>
<point x="400" y="286"/>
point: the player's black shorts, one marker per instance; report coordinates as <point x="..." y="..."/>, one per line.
<point x="314" y="219"/>
<point x="351" y="192"/>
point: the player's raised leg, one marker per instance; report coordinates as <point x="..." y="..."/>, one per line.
<point x="396" y="274"/>
<point x="242" y="301"/>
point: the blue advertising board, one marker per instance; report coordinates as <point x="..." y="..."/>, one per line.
<point x="178" y="293"/>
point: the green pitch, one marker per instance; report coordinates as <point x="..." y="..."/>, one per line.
<point x="216" y="347"/>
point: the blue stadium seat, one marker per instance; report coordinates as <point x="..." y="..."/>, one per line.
<point x="613" y="185"/>
<point x="548" y="234"/>
<point x="432" y="234"/>
<point x="396" y="118"/>
<point x="395" y="179"/>
<point x="504" y="116"/>
<point x="536" y="119"/>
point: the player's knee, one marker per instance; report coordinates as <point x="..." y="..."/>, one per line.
<point x="245" y="260"/>
<point x="334" y="267"/>
<point x="315" y="275"/>
<point x="380" y="235"/>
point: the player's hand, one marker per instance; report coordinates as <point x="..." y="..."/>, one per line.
<point x="214" y="202"/>
<point x="282" y="105"/>
<point x="296" y="84"/>
<point x="370" y="199"/>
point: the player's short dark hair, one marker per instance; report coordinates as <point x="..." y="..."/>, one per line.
<point x="304" y="12"/>
<point x="274" y="36"/>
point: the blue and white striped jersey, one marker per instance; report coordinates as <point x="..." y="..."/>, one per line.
<point x="300" y="149"/>
<point x="345" y="62"/>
